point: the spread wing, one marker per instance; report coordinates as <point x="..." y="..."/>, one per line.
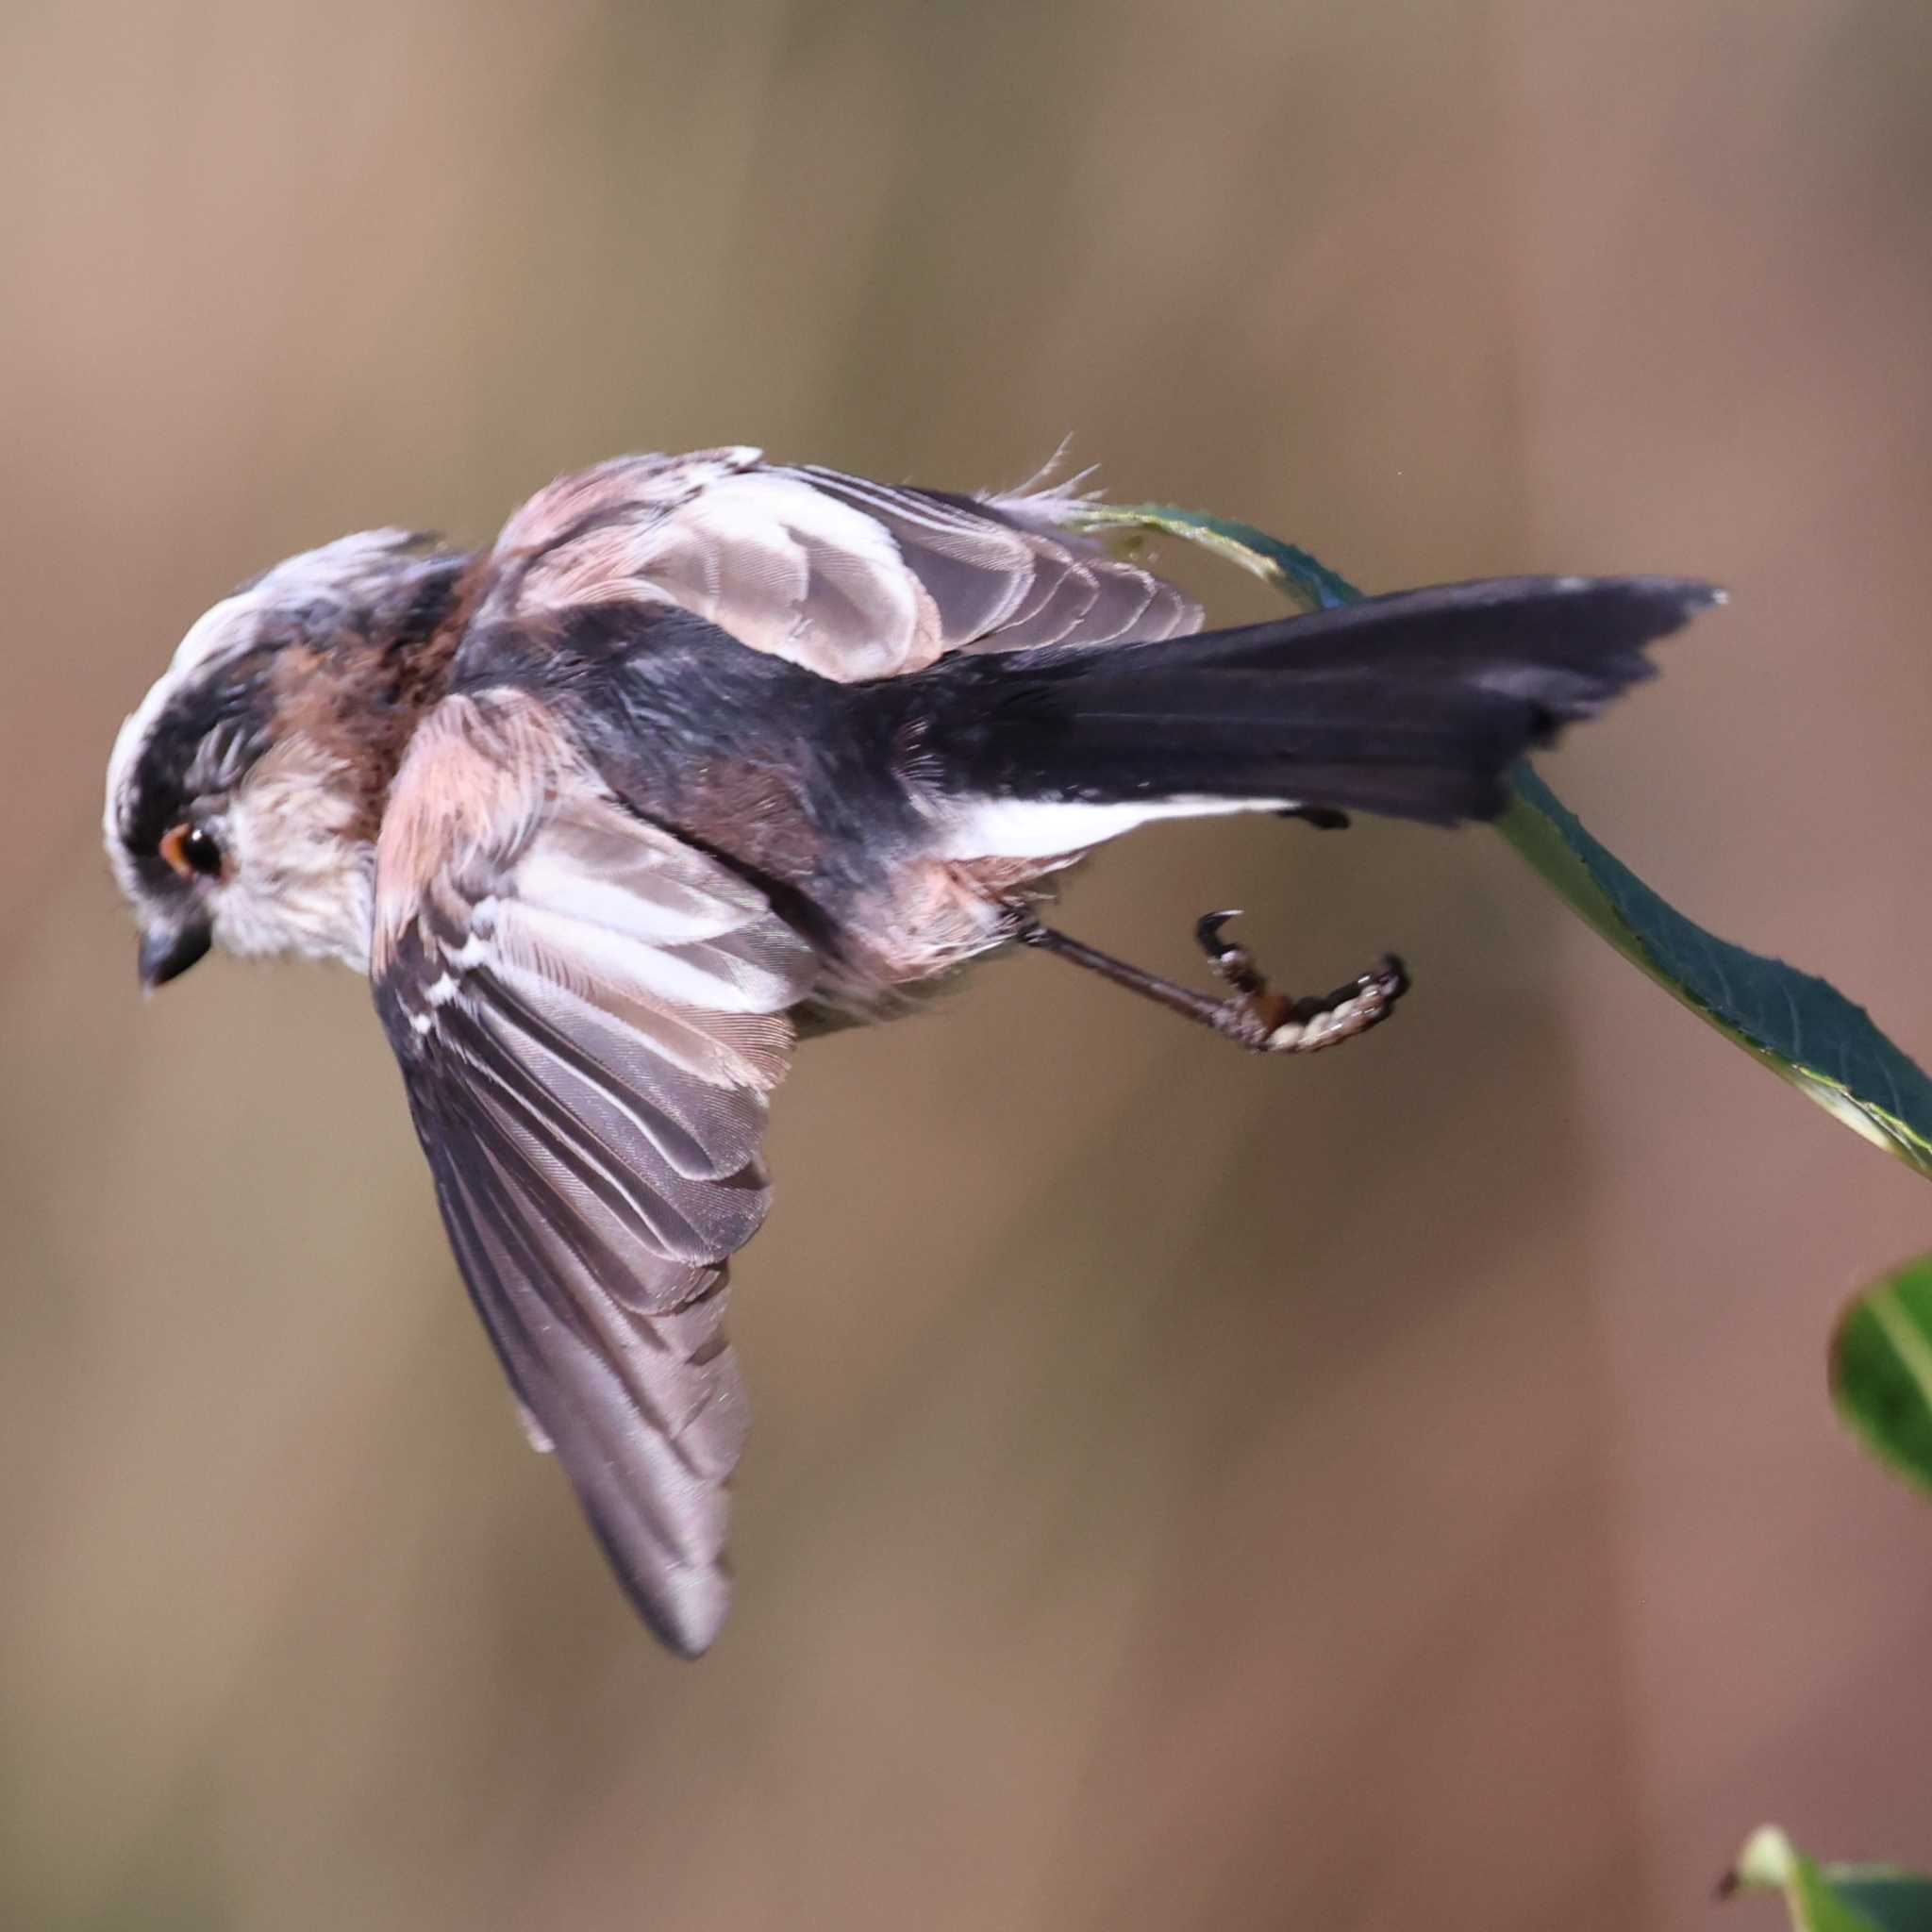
<point x="848" y="578"/>
<point x="589" y="1014"/>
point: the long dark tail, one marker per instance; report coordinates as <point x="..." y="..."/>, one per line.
<point x="1415" y="705"/>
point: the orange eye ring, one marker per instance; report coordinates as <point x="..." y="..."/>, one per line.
<point x="193" y="852"/>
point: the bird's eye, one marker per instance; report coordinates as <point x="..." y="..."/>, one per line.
<point x="191" y="849"/>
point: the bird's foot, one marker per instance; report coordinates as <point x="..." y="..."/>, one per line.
<point x="1256" y="1017"/>
<point x="1252" y="1015"/>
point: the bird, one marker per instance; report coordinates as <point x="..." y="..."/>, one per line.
<point x="705" y="753"/>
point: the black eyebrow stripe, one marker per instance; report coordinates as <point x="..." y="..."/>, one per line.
<point x="158" y="798"/>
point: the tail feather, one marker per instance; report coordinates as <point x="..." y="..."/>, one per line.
<point x="1415" y="706"/>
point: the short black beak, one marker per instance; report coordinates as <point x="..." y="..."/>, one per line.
<point x="169" y="951"/>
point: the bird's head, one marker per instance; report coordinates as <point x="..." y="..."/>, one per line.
<point x="246" y="793"/>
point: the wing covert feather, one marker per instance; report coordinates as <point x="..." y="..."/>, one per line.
<point x="849" y="578"/>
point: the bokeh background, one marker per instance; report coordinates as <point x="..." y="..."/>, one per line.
<point x="1393" y="1490"/>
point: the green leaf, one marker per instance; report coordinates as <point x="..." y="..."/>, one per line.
<point x="1831" y="1898"/>
<point x="1290" y="570"/>
<point x="1881" y="1370"/>
<point x="1801" y="1027"/>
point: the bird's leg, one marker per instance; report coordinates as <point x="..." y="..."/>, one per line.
<point x="1252" y="1014"/>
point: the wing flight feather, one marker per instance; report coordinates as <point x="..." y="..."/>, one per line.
<point x="589" y="1014"/>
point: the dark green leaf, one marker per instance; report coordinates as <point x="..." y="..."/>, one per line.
<point x="1800" y="1026"/>
<point x="1881" y="1368"/>
<point x="1290" y="570"/>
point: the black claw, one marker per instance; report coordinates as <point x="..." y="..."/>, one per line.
<point x="1207" y="932"/>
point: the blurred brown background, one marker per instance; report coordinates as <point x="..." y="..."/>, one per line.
<point x="1394" y="1490"/>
